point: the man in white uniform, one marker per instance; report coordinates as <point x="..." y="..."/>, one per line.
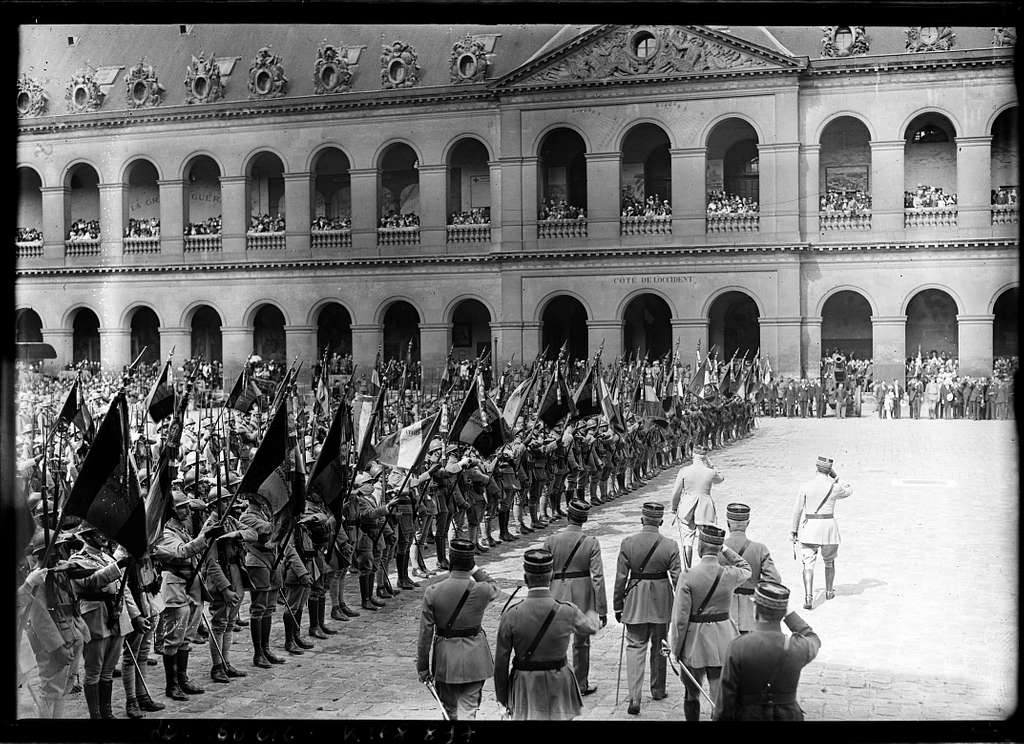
<point x="816" y="503"/>
<point x="698" y="508"/>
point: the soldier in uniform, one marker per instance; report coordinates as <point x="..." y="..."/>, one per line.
<point x="762" y="568"/>
<point x="540" y="686"/>
<point x="701" y="627"/>
<point x="453" y="648"/>
<point x="144" y="582"/>
<point x="176" y="551"/>
<point x="558" y="463"/>
<point x="816" y="503"/>
<point x="695" y="480"/>
<point x="300" y="570"/>
<point x="265" y="574"/>
<point x="648" y="567"/>
<point x="372" y="515"/>
<point x="579" y="578"/>
<point x="762" y="669"/>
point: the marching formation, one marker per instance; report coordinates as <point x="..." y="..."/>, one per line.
<point x="150" y="524"/>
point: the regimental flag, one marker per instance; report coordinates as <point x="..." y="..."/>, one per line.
<point x="83" y="421"/>
<point x="587" y="397"/>
<point x="556" y="402"/>
<point x="517" y="399"/>
<point x="330" y="471"/>
<point x="297" y="499"/>
<point x="724" y="379"/>
<point x="106" y="492"/>
<point x="268" y="472"/>
<point x="158" y="500"/>
<point x="479" y="423"/>
<point x="160" y="401"/>
<point x="699" y="377"/>
<point x="406" y="447"/>
<point x="375" y="373"/>
<point x="322" y="396"/>
<point x="245" y="391"/>
<point x="366" y="410"/>
<point x="70" y="407"/>
<point x="610" y="409"/>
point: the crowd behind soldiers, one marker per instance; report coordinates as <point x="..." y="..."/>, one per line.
<point x="142" y="228"/>
<point x="476" y="216"/>
<point x="209" y="226"/>
<point x="1004" y="196"/>
<point x="720" y="202"/>
<point x="321" y="224"/>
<point x="652" y="206"/>
<point x="560" y="210"/>
<point x="845" y="202"/>
<point x="264" y="223"/>
<point x="928" y="197"/>
<point x="393" y="219"/>
<point x="934" y="387"/>
<point x="220" y="545"/>
<point x="84" y="230"/>
<point x="29" y="235"/>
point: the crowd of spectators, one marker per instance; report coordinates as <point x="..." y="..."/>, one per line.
<point x="209" y="226"/>
<point x="29" y="235"/>
<point x="339" y="364"/>
<point x="264" y="223"/>
<point x="848" y="202"/>
<point x="928" y="197"/>
<point x="142" y="228"/>
<point x="394" y="219"/>
<point x="653" y="206"/>
<point x="1004" y="367"/>
<point x="330" y="223"/>
<point x="84" y="230"/>
<point x="552" y="210"/>
<point x="719" y="202"/>
<point x="478" y="216"/>
<point x="1004" y="196"/>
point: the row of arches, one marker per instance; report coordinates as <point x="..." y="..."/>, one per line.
<point x="645" y="171"/>
<point x="733" y="326"/>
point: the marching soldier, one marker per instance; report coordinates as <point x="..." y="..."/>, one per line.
<point x="762" y="669"/>
<point x="453" y="648"/>
<point x="701" y="627"/>
<point x="648" y="567"/>
<point x="816" y="501"/>
<point x="762" y="568"/>
<point x="579" y="578"/>
<point x="695" y="480"/>
<point x="540" y="686"/>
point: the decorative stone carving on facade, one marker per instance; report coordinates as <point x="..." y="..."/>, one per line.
<point x="648" y="50"/>
<point x="202" y="80"/>
<point x="142" y="87"/>
<point x="32" y="97"/>
<point x="469" y="61"/>
<point x="331" y="72"/>
<point x="930" y="39"/>
<point x="1004" y="36"/>
<point x="399" y="66"/>
<point x="266" y="75"/>
<point x="83" y="92"/>
<point x="844" y="41"/>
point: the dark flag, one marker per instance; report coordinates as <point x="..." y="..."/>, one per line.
<point x="479" y="422"/>
<point x="587" y="397"/>
<point x="697" y="383"/>
<point x="244" y="393"/>
<point x="330" y="471"/>
<point x="84" y="423"/>
<point x="268" y="473"/>
<point x="725" y="380"/>
<point x="367" y="411"/>
<point x="106" y="493"/>
<point x="70" y="407"/>
<point x="158" y="500"/>
<point x="160" y="402"/>
<point x="610" y="409"/>
<point x="556" y="402"/>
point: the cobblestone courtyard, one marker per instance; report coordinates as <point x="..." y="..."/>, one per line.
<point x="924" y="626"/>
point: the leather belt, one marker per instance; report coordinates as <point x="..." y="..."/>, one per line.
<point x="784" y="698"/>
<point x="744" y="590"/>
<point x="457" y="632"/>
<point x="573" y="575"/>
<point x="650" y="576"/>
<point x="538" y="666"/>
<point x="819" y="516"/>
<point x="716" y="618"/>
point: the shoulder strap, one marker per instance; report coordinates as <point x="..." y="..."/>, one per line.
<point x="572" y="554"/>
<point x="540" y="633"/>
<point x="829" y="493"/>
<point x="647" y="557"/>
<point x="458" y="608"/>
<point x="711" y="591"/>
<point x="746" y="545"/>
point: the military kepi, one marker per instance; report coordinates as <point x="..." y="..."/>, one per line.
<point x="824" y="464"/>
<point x="460" y="548"/>
<point x="771" y="595"/>
<point x="737" y="512"/>
<point x="538" y="561"/>
<point x="653" y="510"/>
<point x="579" y="511"/>
<point x="711" y="535"/>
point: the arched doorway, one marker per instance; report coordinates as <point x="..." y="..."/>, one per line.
<point x="141" y="208"/>
<point x="469" y="183"/>
<point x="28" y="326"/>
<point x="734" y="326"/>
<point x="929" y="162"/>
<point x="206" y="337"/>
<point x="846" y="325"/>
<point x="82" y="204"/>
<point x="268" y="339"/>
<point x="647" y="327"/>
<point x="931" y="324"/>
<point x="332" y="192"/>
<point x="401" y="325"/>
<point x="844" y="167"/>
<point x="30" y="206"/>
<point x="646" y="171"/>
<point x="1004" y="160"/>
<point x="562" y="165"/>
<point x="471" y="329"/>
<point x="145" y="335"/>
<point x="733" y="165"/>
<point x="85" y="337"/>
<point x="564" y="319"/>
<point x="334" y="330"/>
<point x="399" y="185"/>
<point x="202" y="197"/>
<point x="1004" y="325"/>
<point x="264" y="184"/>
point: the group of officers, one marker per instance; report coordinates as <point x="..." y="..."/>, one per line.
<point x="718" y="614"/>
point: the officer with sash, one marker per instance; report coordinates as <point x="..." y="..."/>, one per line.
<point x="540" y="686"/>
<point x="579" y="578"/>
<point x="762" y="669"/>
<point x="762" y="568"/>
<point x="453" y="648"/>
<point x="814" y="526"/>
<point x="648" y="568"/>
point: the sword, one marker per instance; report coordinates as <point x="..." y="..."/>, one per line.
<point x="667" y="653"/>
<point x="429" y="684"/>
<point x="618" y="684"/>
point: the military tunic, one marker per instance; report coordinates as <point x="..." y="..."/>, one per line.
<point x="762" y="568"/>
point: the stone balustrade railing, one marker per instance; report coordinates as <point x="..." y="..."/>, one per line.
<point x="729" y="222"/>
<point x="1005" y="214"/>
<point x="82" y="247"/>
<point x="470" y="233"/>
<point x="197" y="243"/>
<point x="646" y="225"/>
<point x="142" y="245"/>
<point x="270" y="241"/>
<point x="330" y="239"/>
<point x="398" y="235"/>
<point x="929" y="217"/>
<point x="840" y="221"/>
<point x="29" y="249"/>
<point x="562" y="228"/>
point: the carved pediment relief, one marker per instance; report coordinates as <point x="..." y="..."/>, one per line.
<point x="629" y="51"/>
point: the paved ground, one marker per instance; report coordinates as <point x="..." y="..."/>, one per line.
<point x="923" y="627"/>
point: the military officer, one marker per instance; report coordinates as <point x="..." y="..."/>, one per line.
<point x="762" y="568"/>
<point x="695" y="480"/>
<point x="648" y="567"/>
<point x="579" y="578"/>
<point x="762" y="669"/>
<point x="816" y="502"/>
<point x="540" y="686"/>
<point x="453" y="648"/>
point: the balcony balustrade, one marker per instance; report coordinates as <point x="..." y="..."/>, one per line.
<point x="646" y="225"/>
<point x="547" y="229"/>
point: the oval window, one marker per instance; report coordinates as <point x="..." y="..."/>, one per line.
<point x="263" y="81"/>
<point x="200" y="86"/>
<point x="844" y="39"/>
<point x="140" y="92"/>
<point x="81" y="96"/>
<point x="467" y="65"/>
<point x="24" y="101"/>
<point x="396" y="71"/>
<point x="329" y="76"/>
<point x="644" y="45"/>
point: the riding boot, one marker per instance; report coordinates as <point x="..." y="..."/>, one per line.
<point x="488" y="526"/>
<point x="186" y="685"/>
<point x="145" y="702"/>
<point x="217" y="671"/>
<point x="265" y="625"/>
<point x="523" y="529"/>
<point x="808" y="589"/>
<point x="475" y="538"/>
<point x="256" y="631"/>
<point x="370" y="578"/>
<point x="321" y="608"/>
<point x="503" y="532"/>
<point x="691" y="710"/>
<point x="830" y="577"/>
<point x="439" y="544"/>
<point x="289" y="636"/>
<point x="314" y="623"/>
<point x="535" y="523"/>
<point x="105" y="688"/>
<point x="172" y="690"/>
<point x="364" y="594"/>
<point x="92" y="699"/>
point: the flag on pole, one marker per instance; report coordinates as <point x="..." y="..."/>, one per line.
<point x="106" y="493"/>
<point x="245" y="391"/>
<point x="330" y="471"/>
<point x="479" y="423"/>
<point x="610" y="409"/>
<point x="322" y="396"/>
<point x="160" y="401"/>
<point x="406" y="447"/>
<point x="70" y="407"/>
<point x="699" y="377"/>
<point x="366" y="410"/>
<point x="556" y="402"/>
<point x="268" y="472"/>
<point x="586" y="398"/>
<point x="516" y="401"/>
<point x="159" y="497"/>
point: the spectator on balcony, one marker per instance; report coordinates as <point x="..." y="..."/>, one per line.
<point x="84" y="230"/>
<point x="1004" y="196"/>
<point x="835" y="201"/>
<point x="720" y="202"/>
<point x="322" y="224"/>
<point x="478" y="216"/>
<point x="264" y="223"/>
<point x="550" y="210"/>
<point x="653" y="206"/>
<point x="29" y="235"/>
<point x="928" y="197"/>
<point x="146" y="228"/>
<point x="395" y="220"/>
<point x="209" y="226"/>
